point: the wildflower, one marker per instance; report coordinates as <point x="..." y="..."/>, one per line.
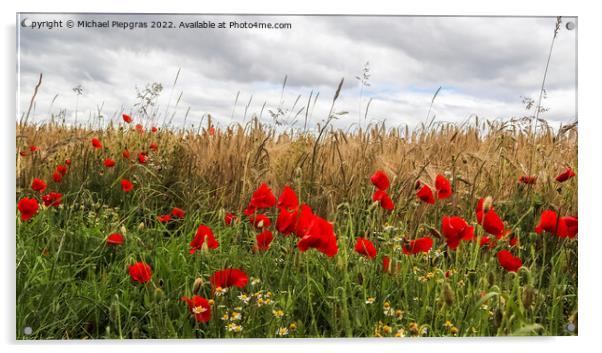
<point x="387" y="329"/>
<point x="566" y="175"/>
<point x="126" y="185"/>
<point x="126" y="154"/>
<point x="57" y="177"/>
<point x="455" y="229"/>
<point x="96" y="143"/>
<point x="288" y="199"/>
<point x="229" y="218"/>
<point x="244" y="297"/>
<point x="154" y="129"/>
<point x="178" y="212"/>
<point x="263" y="197"/>
<point x="232" y="327"/>
<point x="527" y="179"/>
<point x="491" y="222"/>
<point x="142" y="158"/>
<point x="509" y="262"/>
<point x="561" y="227"/>
<point x="164" y="218"/>
<point x="383" y="198"/>
<point x="61" y="169"/>
<point x="400" y="333"/>
<point x="139" y="128"/>
<point x="454" y="330"/>
<point x="263" y="240"/>
<point x="229" y="277"/>
<point x="38" y="185"/>
<point x="370" y="300"/>
<point x="115" y="239"/>
<point x="28" y="207"/>
<point x="278" y="313"/>
<point x="426" y="194"/>
<point x="154" y="147"/>
<point x="286" y="221"/>
<point x="199" y="239"/>
<point x="282" y="331"/>
<point x="219" y="291"/>
<point x="126" y="118"/>
<point x="260" y="221"/>
<point x="380" y="180"/>
<point x="443" y="187"/>
<point x="235" y="316"/>
<point x="255" y="281"/>
<point x="292" y="326"/>
<point x="109" y="163"/>
<point x="315" y="232"/>
<point x="140" y="272"/>
<point x="419" y="245"/>
<point x="52" y="199"/>
<point x="365" y="247"/>
<point x="199" y="307"/>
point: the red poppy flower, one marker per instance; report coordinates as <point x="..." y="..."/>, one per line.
<point x="419" y="245"/>
<point x="28" y="208"/>
<point x="250" y="210"/>
<point x="52" y="199"/>
<point x="547" y="222"/>
<point x="154" y="147"/>
<point x="211" y="131"/>
<point x="384" y="199"/>
<point x="456" y="229"/>
<point x="142" y="157"/>
<point x="260" y="221"/>
<point x="567" y="227"/>
<point x="61" y="169"/>
<point x="140" y="272"/>
<point x="562" y="227"/>
<point x="154" y="129"/>
<point x="490" y="241"/>
<point x="286" y="221"/>
<point x="164" y="218"/>
<point x="566" y="175"/>
<point x="514" y="241"/>
<point x="509" y="262"/>
<point x="527" y="179"/>
<point x="317" y="233"/>
<point x="126" y="185"/>
<point x="264" y="239"/>
<point x="23" y="153"/>
<point x="288" y="199"/>
<point x="178" y="212"/>
<point x="38" y="185"/>
<point x="229" y="218"/>
<point x="199" y="239"/>
<point x="365" y="247"/>
<point x="443" y="187"/>
<point x="490" y="221"/>
<point x="380" y="180"/>
<point x="126" y="154"/>
<point x="115" y="239"/>
<point x="126" y="118"/>
<point x="386" y="263"/>
<point x="67" y="161"/>
<point x="139" y="128"/>
<point x="263" y="197"/>
<point x="229" y="277"/>
<point x="426" y="194"/>
<point x="199" y="307"/>
<point x="304" y="220"/>
<point x="33" y="148"/>
<point x="57" y="177"/>
<point x="96" y="143"/>
<point x="109" y="163"/>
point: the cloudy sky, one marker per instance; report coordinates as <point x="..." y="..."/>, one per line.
<point x="484" y="66"/>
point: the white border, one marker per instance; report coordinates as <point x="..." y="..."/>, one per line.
<point x="590" y="94"/>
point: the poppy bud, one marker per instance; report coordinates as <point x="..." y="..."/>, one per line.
<point x="487" y="204"/>
<point x="158" y="293"/>
<point x="197" y="285"/>
<point x="123" y="229"/>
<point x="528" y="296"/>
<point x="448" y="294"/>
<point x="141" y="226"/>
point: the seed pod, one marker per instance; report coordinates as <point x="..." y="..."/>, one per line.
<point x="528" y="296"/>
<point x="448" y="294"/>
